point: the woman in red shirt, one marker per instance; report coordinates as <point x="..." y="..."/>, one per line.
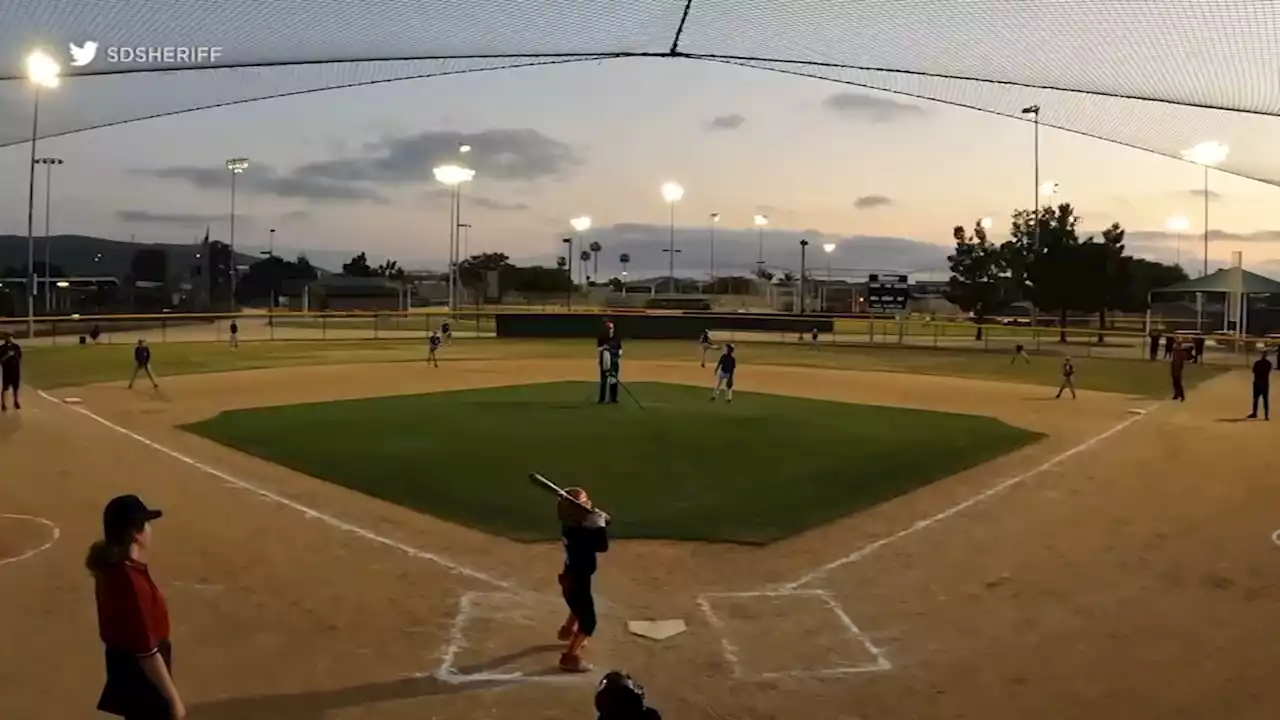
<point x="133" y="620"/>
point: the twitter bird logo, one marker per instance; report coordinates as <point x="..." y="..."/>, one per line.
<point x="83" y="55"/>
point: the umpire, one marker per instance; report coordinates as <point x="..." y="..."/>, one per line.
<point x="609" y="357"/>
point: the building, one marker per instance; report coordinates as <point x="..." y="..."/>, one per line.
<point x="339" y="293"/>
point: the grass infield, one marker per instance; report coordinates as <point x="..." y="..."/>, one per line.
<point x="683" y="468"/>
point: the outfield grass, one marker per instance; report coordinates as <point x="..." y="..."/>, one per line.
<point x="69" y="366"/>
<point x="683" y="468"/>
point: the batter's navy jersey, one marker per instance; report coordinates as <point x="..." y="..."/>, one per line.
<point x="435" y="341"/>
<point x="706" y="338"/>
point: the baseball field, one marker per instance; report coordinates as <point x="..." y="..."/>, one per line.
<point x="864" y="533"/>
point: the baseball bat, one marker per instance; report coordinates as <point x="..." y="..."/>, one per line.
<point x="545" y="484"/>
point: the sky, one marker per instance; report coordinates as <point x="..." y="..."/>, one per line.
<point x="884" y="178"/>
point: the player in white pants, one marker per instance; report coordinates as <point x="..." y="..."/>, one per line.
<point x="724" y="374"/>
<point x="705" y="343"/>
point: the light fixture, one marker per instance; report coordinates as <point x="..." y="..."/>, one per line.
<point x="828" y="248"/>
<point x="1208" y="153"/>
<point x="1048" y="188"/>
<point x="453" y="174"/>
<point x="715" y="217"/>
<point x="581" y="224"/>
<point x="43" y="70"/>
<point x="63" y="284"/>
<point x="1177" y="223"/>
<point x="761" y="220"/>
<point x="672" y="192"/>
<point x="464" y="148"/>
<point x="238" y="165"/>
<point x="985" y="223"/>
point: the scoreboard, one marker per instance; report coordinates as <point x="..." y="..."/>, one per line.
<point x="887" y="293"/>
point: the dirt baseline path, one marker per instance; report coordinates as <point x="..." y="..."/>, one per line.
<point x="1131" y="578"/>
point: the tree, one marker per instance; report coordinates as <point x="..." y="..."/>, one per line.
<point x="561" y="262"/>
<point x="358" y="266"/>
<point x="149" y="264"/>
<point x="389" y="269"/>
<point x="583" y="257"/>
<point x="269" y="275"/>
<point x="1105" y="267"/>
<point x="977" y="266"/>
<point x="595" y="248"/>
<point x="624" y="258"/>
<point x="1049" y="273"/>
<point x="1144" y="276"/>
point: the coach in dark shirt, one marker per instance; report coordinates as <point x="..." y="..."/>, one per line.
<point x="1262" y="386"/>
<point x="609" y="358"/>
<point x="10" y="371"/>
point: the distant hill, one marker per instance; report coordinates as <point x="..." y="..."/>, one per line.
<point x="83" y="255"/>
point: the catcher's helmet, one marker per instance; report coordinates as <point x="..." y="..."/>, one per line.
<point x="618" y="696"/>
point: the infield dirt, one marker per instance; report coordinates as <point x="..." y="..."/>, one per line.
<point x="1132" y="579"/>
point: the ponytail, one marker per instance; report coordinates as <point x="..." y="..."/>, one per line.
<point x="103" y="555"/>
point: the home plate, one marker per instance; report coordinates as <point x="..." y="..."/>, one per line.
<point x="72" y="401"/>
<point x="656" y="629"/>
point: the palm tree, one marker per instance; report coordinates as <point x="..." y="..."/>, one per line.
<point x="595" y="258"/>
<point x="624" y="258"/>
<point x="583" y="257"/>
<point x="561" y="262"/>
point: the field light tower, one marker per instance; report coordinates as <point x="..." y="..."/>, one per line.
<point x="44" y="73"/>
<point x="1206" y="154"/>
<point x="672" y="192"/>
<point x="237" y="166"/>
<point x="452" y="176"/>
<point x="760" y="221"/>
<point x="715" y="220"/>
<point x="1178" y="225"/>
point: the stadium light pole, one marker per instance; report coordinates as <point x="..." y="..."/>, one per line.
<point x="1034" y="112"/>
<point x="715" y="219"/>
<point x="452" y="176"/>
<point x="1178" y="224"/>
<point x="1207" y="154"/>
<point x="672" y="192"/>
<point x="236" y="166"/>
<point x="828" y="248"/>
<point x="760" y="221"/>
<point x="44" y="73"/>
<point x="48" y="163"/>
<point x="580" y="225"/>
<point x="804" y="245"/>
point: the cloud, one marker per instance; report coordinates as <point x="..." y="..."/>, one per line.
<point x="868" y="202"/>
<point x="506" y="155"/>
<point x="265" y="180"/>
<point x="726" y="122"/>
<point x="1198" y="193"/>
<point x="439" y="192"/>
<point x="737" y="250"/>
<point x="184" y="219"/>
<point x="296" y="216"/>
<point x="1194" y="240"/>
<point x="872" y="108"/>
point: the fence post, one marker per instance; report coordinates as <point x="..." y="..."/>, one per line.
<point x="164" y="330"/>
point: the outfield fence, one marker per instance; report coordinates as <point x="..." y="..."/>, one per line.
<point x="919" y="332"/>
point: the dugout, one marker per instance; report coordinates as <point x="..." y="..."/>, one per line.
<point x="665" y="326"/>
<point x="341" y="293"/>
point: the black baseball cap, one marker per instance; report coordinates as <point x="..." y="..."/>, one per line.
<point x="124" y="515"/>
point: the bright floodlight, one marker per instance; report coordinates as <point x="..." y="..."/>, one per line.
<point x="1177" y="223"/>
<point x="1208" y="153"/>
<point x="715" y="217"/>
<point x="761" y="220"/>
<point x="985" y="223"/>
<point x="672" y="192"/>
<point x="453" y="174"/>
<point x="581" y="224"/>
<point x="464" y="148"/>
<point x="63" y="284"/>
<point x="43" y="70"/>
<point x="1048" y="188"/>
<point x="829" y="247"/>
<point x="238" y="165"/>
